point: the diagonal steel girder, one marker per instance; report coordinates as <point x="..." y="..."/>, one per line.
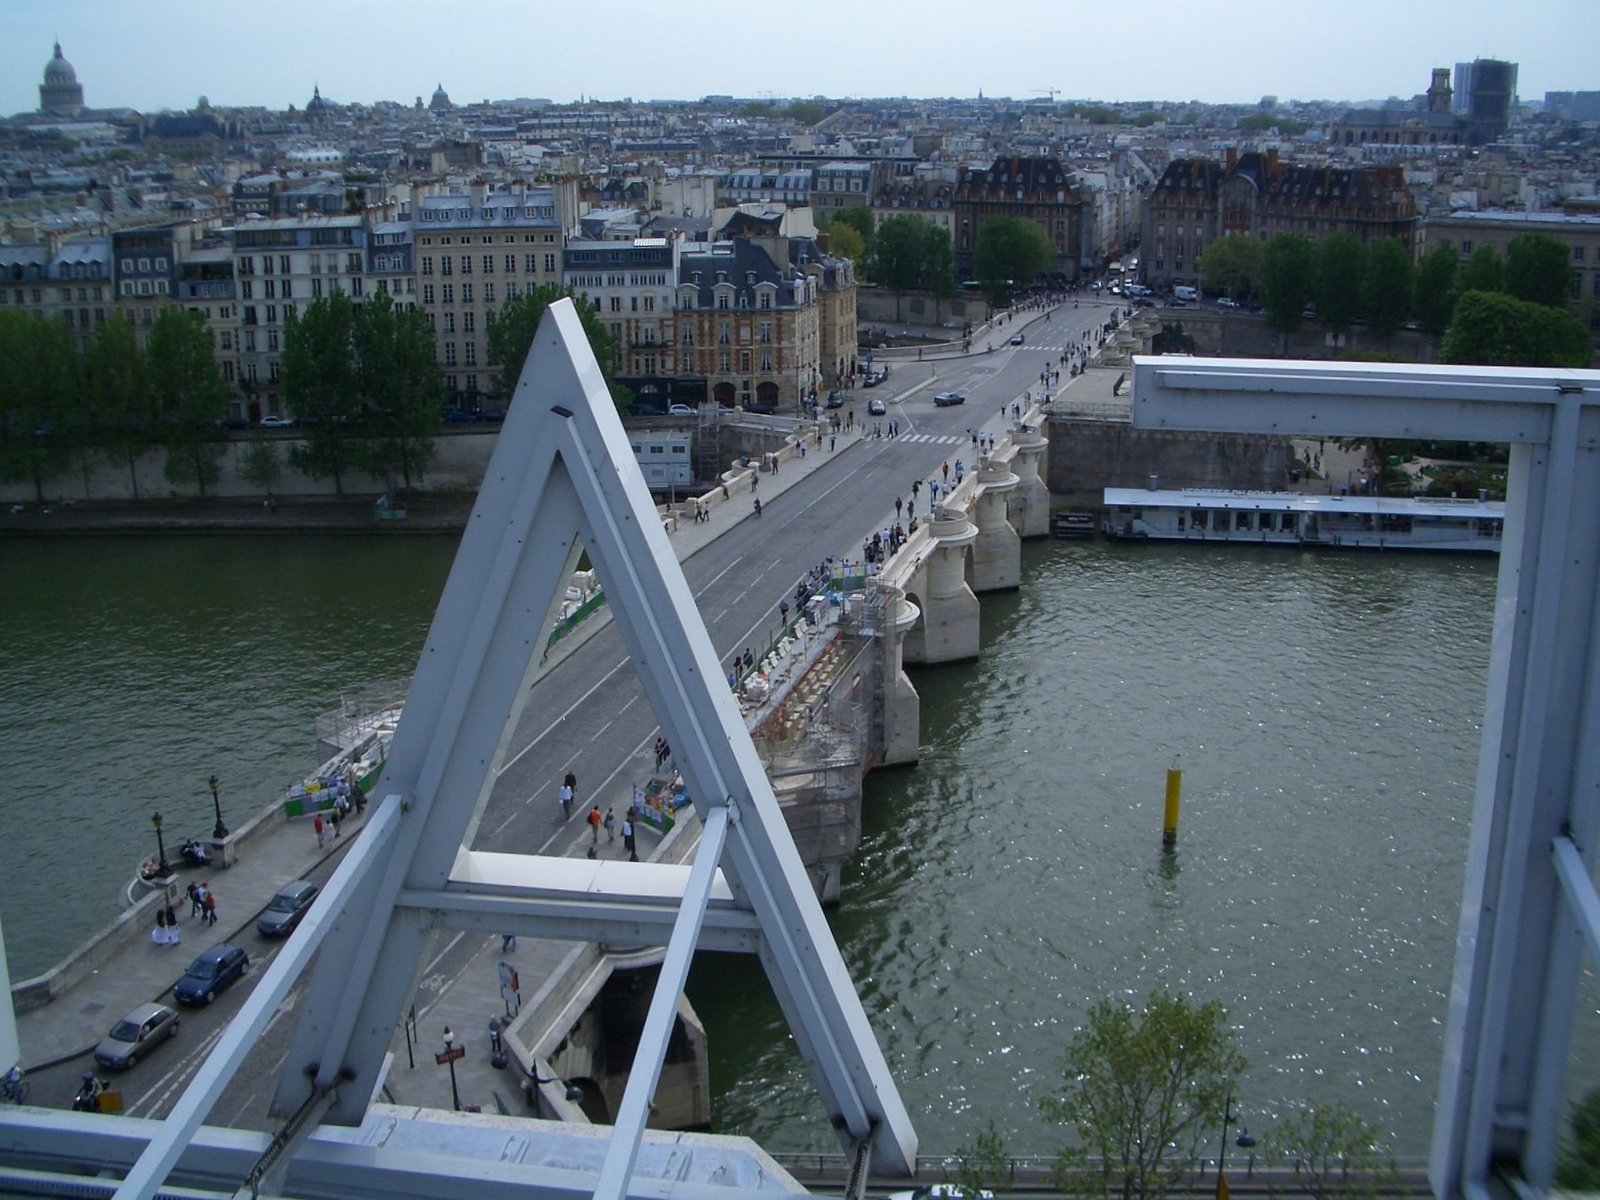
<point x="563" y="478"/>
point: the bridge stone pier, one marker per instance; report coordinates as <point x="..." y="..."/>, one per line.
<point x="997" y="550"/>
<point x="902" y="707"/>
<point x="1028" y="507"/>
<point x="948" y="630"/>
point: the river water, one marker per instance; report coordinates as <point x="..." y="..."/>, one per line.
<point x="1324" y="708"/>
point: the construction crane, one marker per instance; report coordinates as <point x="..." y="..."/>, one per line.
<point x="1051" y="92"/>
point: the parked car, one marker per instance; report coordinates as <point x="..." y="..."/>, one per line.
<point x="492" y="414"/>
<point x="458" y="416"/>
<point x="946" y="399"/>
<point x="1227" y="302"/>
<point x="141" y="1030"/>
<point x="942" y="1191"/>
<point x="876" y="407"/>
<point x="681" y="410"/>
<point x="216" y="970"/>
<point x="276" y="422"/>
<point x="1017" y="339"/>
<point x="285" y="910"/>
<point x="836" y="399"/>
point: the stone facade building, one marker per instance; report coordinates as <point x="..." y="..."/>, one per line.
<point x="60" y="95"/>
<point x="1040" y="190"/>
<point x="1256" y="195"/>
<point x="1468" y="232"/>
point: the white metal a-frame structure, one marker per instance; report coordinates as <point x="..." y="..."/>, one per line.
<point x="562" y="479"/>
<point x="1530" y="903"/>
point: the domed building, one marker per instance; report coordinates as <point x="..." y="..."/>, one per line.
<point x="60" y="94"/>
<point x="441" y="100"/>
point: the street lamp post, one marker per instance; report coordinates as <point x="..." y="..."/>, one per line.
<point x="1244" y="1141"/>
<point x="221" y="830"/>
<point x="449" y="1056"/>
<point x="162" y="867"/>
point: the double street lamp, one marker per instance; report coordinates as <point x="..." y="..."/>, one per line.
<point x="221" y="830"/>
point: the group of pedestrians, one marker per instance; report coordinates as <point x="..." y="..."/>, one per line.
<point x="202" y="905"/>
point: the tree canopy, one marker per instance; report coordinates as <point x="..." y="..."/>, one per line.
<point x="1386" y="287"/>
<point x="864" y="223"/>
<point x="1288" y="273"/>
<point x="1499" y="330"/>
<point x="1010" y="251"/>
<point x="845" y="242"/>
<point x="189" y="396"/>
<point x="511" y="331"/>
<point x="1434" y="292"/>
<point x="1232" y="265"/>
<point x="1142" y="1090"/>
<point x="1485" y="272"/>
<point x="320" y="385"/>
<point x="398" y="387"/>
<point x="1337" y="286"/>
<point x="1539" y="270"/>
<point x="38" y="382"/>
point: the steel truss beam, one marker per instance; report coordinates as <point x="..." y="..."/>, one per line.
<point x="1529" y="892"/>
<point x="562" y="479"/>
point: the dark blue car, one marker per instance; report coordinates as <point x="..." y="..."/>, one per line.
<point x="214" y="971"/>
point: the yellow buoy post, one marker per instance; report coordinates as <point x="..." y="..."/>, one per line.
<point x="1169" y="824"/>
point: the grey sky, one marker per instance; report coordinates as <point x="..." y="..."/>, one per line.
<point x="165" y="53"/>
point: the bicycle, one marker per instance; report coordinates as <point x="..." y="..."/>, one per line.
<point x="14" y="1087"/>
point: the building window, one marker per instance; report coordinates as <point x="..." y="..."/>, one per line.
<point x="427" y="264"/>
<point x="466" y="264"/>
<point x="530" y="264"/>
<point x="449" y="354"/>
<point x="723" y="337"/>
<point x="488" y="293"/>
<point x="472" y="353"/>
<point x="766" y="333"/>
<point x="466" y="293"/>
<point x="444" y="264"/>
<point x="449" y="293"/>
<point x="549" y="262"/>
<point x="511" y="264"/>
<point x="449" y="322"/>
<point x="688" y="332"/>
<point x="469" y="322"/>
<point x="427" y="293"/>
<point x="1577" y="254"/>
<point x="488" y="264"/>
<point x="1466" y="248"/>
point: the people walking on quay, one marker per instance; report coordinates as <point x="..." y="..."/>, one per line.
<point x="611" y="824"/>
<point x="210" y="900"/>
<point x="595" y="820"/>
<point x="565" y="795"/>
<point x="335" y="817"/>
<point x="196" y="907"/>
<point x="898" y="504"/>
<point x="158" y="935"/>
<point x="571" y="781"/>
<point x="173" y="936"/>
<point x="628" y="842"/>
<point x="317" y="828"/>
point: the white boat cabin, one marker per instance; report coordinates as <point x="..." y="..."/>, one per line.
<point x="1296" y="519"/>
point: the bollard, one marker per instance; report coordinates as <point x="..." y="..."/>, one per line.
<point x="1169" y="825"/>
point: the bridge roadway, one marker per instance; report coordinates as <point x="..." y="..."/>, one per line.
<point x="586" y="713"/>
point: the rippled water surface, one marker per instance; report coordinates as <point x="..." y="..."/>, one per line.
<point x="132" y="669"/>
<point x="1325" y="710"/>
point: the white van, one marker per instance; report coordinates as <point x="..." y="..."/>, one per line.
<point x="1184" y="292"/>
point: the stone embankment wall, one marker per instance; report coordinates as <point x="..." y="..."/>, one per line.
<point x="1088" y="456"/>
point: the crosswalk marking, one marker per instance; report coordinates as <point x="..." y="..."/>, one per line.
<point x="934" y="438"/>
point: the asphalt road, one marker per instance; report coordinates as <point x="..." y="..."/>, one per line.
<point x="588" y="713"/>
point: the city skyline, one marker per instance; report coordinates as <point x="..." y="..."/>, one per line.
<point x="156" y="56"/>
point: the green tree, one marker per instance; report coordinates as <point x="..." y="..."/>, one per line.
<point x="39" y="419"/>
<point x="864" y="223"/>
<point x="259" y="464"/>
<point x="1010" y="251"/>
<point x="805" y="112"/>
<point x="1499" y="330"/>
<point x="938" y="263"/>
<point x="845" y="242"/>
<point x="320" y="386"/>
<point x="122" y="405"/>
<point x="1386" y="287"/>
<point x="898" y="255"/>
<point x="1333" y="1154"/>
<point x="1434" y="294"/>
<point x="511" y="331"/>
<point x="1485" y="272"/>
<point x="189" y="396"/>
<point x="1578" y="1168"/>
<point x="399" y="388"/>
<point x="983" y="1164"/>
<point x="1288" y="271"/>
<point x="1143" y="1091"/>
<point x="1232" y="265"/>
<point x="1337" y="287"/>
<point x="1539" y="270"/>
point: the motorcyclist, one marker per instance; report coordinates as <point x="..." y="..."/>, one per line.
<point x="758" y="506"/>
<point x="88" y="1097"/>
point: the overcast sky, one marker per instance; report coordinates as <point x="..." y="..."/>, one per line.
<point x="157" y="54"/>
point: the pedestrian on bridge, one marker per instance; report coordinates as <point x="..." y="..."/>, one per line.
<point x="629" y="843"/>
<point x="595" y="820"/>
<point x="566" y="800"/>
<point x="611" y="824"/>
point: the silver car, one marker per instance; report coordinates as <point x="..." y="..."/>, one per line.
<point x="145" y="1027"/>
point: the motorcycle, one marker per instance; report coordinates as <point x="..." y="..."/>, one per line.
<point x="89" y="1092"/>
